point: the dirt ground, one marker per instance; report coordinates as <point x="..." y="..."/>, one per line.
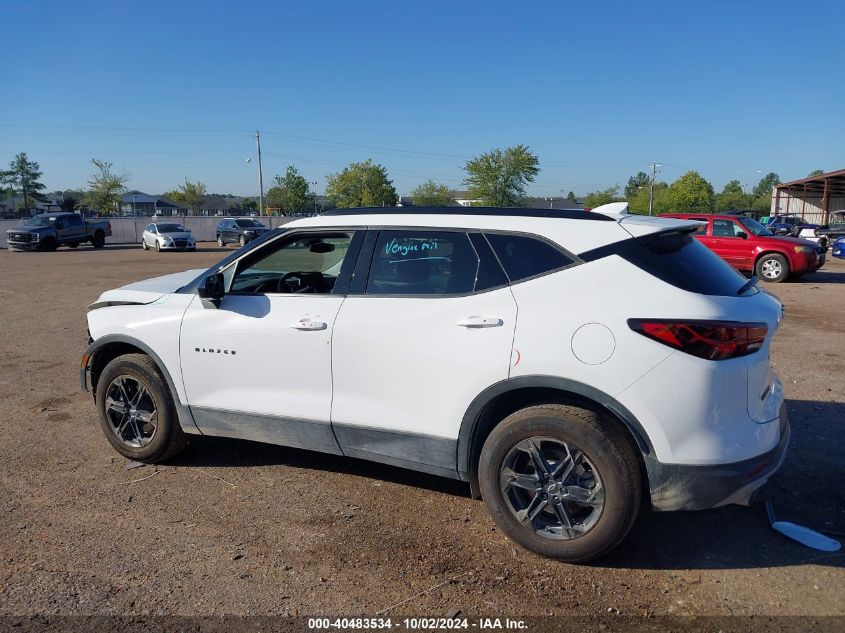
<point x="232" y="527"/>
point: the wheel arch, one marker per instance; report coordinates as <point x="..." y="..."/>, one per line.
<point x="503" y="398"/>
<point x="772" y="251"/>
<point x="105" y="349"/>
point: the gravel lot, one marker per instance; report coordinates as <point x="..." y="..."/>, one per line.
<point x="239" y="528"/>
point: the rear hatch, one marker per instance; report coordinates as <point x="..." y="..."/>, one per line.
<point x="666" y="249"/>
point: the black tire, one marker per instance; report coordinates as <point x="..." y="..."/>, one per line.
<point x="158" y="246"/>
<point x="99" y="239"/>
<point x="242" y="241"/>
<point x="144" y="244"/>
<point x="772" y="267"/>
<point x="607" y="457"/>
<point x="220" y="241"/>
<point x="168" y="437"/>
<point x="49" y="244"/>
<point x="72" y="244"/>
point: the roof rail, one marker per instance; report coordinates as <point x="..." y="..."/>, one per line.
<point x="527" y="212"/>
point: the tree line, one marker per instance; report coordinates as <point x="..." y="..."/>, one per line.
<point x="496" y="178"/>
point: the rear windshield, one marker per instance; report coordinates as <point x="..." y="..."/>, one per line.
<point x="679" y="259"/>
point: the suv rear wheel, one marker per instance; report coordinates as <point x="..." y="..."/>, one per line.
<point x="241" y="241"/>
<point x="560" y="483"/>
<point x="220" y="241"/>
<point x="772" y="267"/>
<point x="136" y="410"/>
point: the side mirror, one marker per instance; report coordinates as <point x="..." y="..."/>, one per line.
<point x="742" y="234"/>
<point x="212" y="290"/>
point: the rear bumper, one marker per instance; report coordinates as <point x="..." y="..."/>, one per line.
<point x="682" y="487"/>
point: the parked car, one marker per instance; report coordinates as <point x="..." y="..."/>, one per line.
<point x="788" y="225"/>
<point x="393" y="336"/>
<point x="240" y="231"/>
<point x="167" y="236"/>
<point x="750" y="247"/>
<point x="835" y="228"/>
<point x="838" y="249"/>
<point x="48" y="231"/>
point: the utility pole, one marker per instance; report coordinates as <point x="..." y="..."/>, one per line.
<point x="260" y="176"/>
<point x="654" y="167"/>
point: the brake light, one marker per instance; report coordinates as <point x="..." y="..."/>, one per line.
<point x="712" y="340"/>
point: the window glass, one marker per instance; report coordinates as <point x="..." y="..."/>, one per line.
<point x="524" y="257"/>
<point x="754" y="227"/>
<point x="490" y="273"/>
<point x="149" y="228"/>
<point x="725" y="228"/>
<point x="423" y="263"/>
<point x="74" y="220"/>
<point x="302" y="264"/>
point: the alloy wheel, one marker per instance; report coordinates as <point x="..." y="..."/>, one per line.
<point x="772" y="269"/>
<point x="551" y="487"/>
<point x="131" y="411"/>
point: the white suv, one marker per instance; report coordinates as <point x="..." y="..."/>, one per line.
<point x="568" y="365"/>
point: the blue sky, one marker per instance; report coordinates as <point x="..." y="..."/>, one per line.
<point x="169" y="90"/>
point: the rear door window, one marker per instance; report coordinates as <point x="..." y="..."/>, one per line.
<point x="523" y="256"/>
<point x="421" y="262"/>
<point x="726" y="228"/>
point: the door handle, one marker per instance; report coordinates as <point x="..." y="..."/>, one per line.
<point x="479" y="322"/>
<point x="308" y="324"/>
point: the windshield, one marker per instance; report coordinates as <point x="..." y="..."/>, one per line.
<point x="248" y="223"/>
<point x="171" y="228"/>
<point x="41" y="220"/>
<point x="757" y="229"/>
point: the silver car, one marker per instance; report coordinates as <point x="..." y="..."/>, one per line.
<point x="168" y="236"/>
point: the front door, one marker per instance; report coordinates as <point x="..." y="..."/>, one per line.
<point x="259" y="366"/>
<point x="729" y="244"/>
<point x="430" y="327"/>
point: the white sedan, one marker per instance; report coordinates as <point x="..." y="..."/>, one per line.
<point x="167" y="236"/>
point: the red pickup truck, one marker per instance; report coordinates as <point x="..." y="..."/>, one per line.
<point x="750" y="247"/>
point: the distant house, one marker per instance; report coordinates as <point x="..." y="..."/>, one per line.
<point x="551" y="203"/>
<point x="464" y="199"/>
<point x="137" y="203"/>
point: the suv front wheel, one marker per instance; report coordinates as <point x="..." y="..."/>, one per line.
<point x="772" y="267"/>
<point x="136" y="410"/>
<point x="560" y="482"/>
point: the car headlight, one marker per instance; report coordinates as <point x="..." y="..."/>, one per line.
<point x="804" y="249"/>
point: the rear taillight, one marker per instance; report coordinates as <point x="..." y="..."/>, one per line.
<point x="713" y="340"/>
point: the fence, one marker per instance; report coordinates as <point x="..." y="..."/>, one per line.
<point x="129" y="230"/>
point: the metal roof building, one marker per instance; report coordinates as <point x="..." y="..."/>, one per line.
<point x="812" y="198"/>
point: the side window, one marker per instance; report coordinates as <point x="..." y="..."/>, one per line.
<point x="301" y="264"/>
<point x="74" y="220"/>
<point x="725" y="228"/>
<point x="701" y="230"/>
<point x="524" y="256"/>
<point x="423" y="262"/>
<point x="149" y="228"/>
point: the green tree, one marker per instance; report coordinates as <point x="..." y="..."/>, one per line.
<point x="762" y="192"/>
<point x="431" y="194"/>
<point x="638" y="204"/>
<point x="106" y="188"/>
<point x="361" y="185"/>
<point x="498" y="177"/>
<point x="191" y="194"/>
<point x="733" y="198"/>
<point x="571" y="196"/>
<point x="247" y="204"/>
<point x="636" y="183"/>
<point x="22" y="179"/>
<point x="691" y="193"/>
<point x="605" y="196"/>
<point x="815" y="172"/>
<point x="290" y="193"/>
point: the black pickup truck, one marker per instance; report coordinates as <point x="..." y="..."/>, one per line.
<point x="48" y="231"/>
<point x="835" y="227"/>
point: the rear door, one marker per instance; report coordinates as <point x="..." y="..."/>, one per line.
<point x="428" y="326"/>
